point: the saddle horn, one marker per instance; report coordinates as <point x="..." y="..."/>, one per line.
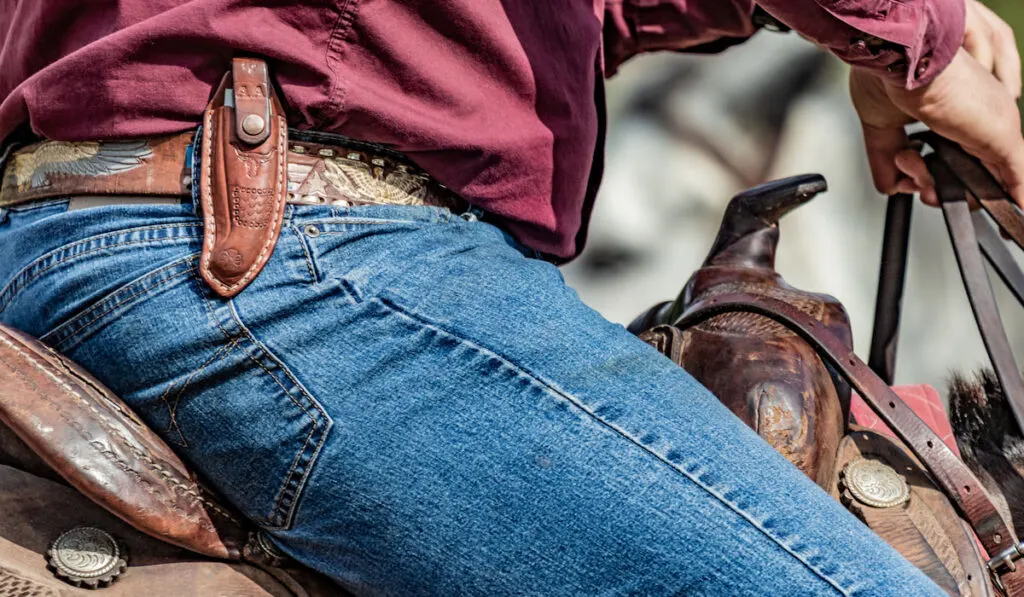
<point x="747" y="237"/>
<point x="749" y="233"/>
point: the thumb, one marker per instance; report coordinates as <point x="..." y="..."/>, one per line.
<point x="883" y="144"/>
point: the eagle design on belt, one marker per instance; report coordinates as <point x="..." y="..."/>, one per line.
<point x="35" y="168"/>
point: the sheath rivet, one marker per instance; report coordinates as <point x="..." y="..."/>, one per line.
<point x="253" y="124"/>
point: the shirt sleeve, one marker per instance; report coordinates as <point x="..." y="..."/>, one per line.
<point x="908" y="41"/>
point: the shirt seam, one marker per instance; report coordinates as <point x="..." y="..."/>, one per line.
<point x="339" y="34"/>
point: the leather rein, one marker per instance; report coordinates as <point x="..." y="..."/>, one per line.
<point x="957" y="175"/>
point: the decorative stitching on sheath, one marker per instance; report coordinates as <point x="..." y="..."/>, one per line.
<point x="181" y="487"/>
<point x="271" y="239"/>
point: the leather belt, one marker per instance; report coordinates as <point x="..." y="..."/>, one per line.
<point x="322" y="168"/>
<point x="242" y="167"/>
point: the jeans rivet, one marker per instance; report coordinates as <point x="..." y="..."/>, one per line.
<point x="311" y="230"/>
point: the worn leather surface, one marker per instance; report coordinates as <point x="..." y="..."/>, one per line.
<point x="764" y="373"/>
<point x="957" y="481"/>
<point x="926" y="529"/>
<point x="91" y="438"/>
<point x="36" y="510"/>
<point x="243" y="179"/>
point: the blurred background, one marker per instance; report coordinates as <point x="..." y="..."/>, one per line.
<point x="688" y="132"/>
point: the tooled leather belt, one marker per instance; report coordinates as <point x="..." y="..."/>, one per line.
<point x="322" y="168"/>
<point x="247" y="165"/>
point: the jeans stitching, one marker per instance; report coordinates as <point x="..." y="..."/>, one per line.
<point x="306" y="253"/>
<point x="558" y="393"/>
<point x="31" y="273"/>
<point x="172" y="410"/>
<point x="282" y="503"/>
<point x="282" y="497"/>
<point x="365" y="222"/>
<point x="75" y="326"/>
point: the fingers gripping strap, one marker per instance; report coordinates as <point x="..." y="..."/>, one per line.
<point x="981" y="184"/>
<point x="950" y="472"/>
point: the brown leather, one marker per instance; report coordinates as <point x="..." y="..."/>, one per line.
<point x="242" y="185"/>
<point x="323" y="169"/>
<point x="788" y="397"/>
<point x="153" y="166"/>
<point x="92" y="439"/>
<point x="253" y="92"/>
<point x="892" y="273"/>
<point x="36" y="511"/>
<point x="719" y="321"/>
<point x="925" y="529"/>
<point x="951" y="474"/>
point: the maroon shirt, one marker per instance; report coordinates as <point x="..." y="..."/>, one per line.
<point x="498" y="99"/>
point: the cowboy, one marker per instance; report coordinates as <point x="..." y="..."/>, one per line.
<point x="351" y="324"/>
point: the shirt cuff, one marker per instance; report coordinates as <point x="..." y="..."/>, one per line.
<point x="909" y="42"/>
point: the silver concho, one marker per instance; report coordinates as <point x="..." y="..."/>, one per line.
<point x="875" y="484"/>
<point x="86" y="557"/>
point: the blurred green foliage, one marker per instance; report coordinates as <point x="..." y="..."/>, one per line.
<point x="1013" y="12"/>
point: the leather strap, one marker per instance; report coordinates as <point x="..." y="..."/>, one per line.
<point x="253" y="93"/>
<point x="950" y="473"/>
<point x="891" y="277"/>
<point x="973" y="176"/>
<point x="993" y="247"/>
<point x="953" y="199"/>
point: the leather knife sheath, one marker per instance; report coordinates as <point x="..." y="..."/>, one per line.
<point x="243" y="182"/>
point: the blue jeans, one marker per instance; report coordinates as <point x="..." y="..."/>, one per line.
<point x="407" y="401"/>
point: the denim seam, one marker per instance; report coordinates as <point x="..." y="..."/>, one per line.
<point x="281" y="519"/>
<point x="35" y="205"/>
<point x="367" y="222"/>
<point x="172" y="410"/>
<point x="307" y="254"/>
<point x="76" y="326"/>
<point x="283" y="497"/>
<point x="559" y="393"/>
<point x="32" y="271"/>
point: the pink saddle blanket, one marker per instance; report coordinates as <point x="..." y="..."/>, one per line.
<point x="923" y="399"/>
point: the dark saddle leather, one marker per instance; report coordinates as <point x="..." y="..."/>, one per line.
<point x="745" y="334"/>
<point x="766" y="374"/>
<point x="59" y="424"/>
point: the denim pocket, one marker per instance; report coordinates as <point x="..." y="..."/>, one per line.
<point x="123" y="298"/>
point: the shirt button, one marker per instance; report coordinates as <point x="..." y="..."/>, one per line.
<point x="922" y="66"/>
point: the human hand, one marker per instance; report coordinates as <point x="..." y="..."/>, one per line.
<point x="991" y="41"/>
<point x="965" y="103"/>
